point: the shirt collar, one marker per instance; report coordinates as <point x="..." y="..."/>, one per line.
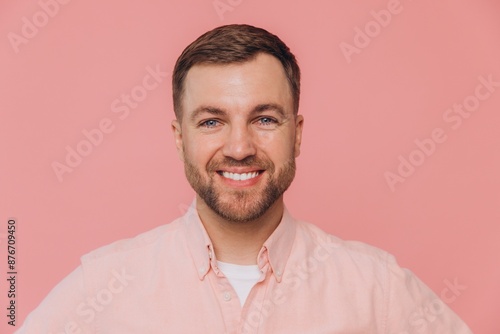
<point x="275" y="250"/>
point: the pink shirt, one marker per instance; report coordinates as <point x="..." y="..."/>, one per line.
<point x="167" y="281"/>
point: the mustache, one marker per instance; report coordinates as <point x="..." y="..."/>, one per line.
<point x="250" y="161"/>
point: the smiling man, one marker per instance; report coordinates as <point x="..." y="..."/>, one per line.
<point x="237" y="261"/>
<point x="238" y="133"/>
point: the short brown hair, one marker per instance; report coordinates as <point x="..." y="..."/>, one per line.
<point x="234" y="43"/>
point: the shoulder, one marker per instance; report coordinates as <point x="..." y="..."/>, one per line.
<point x="140" y="243"/>
<point x="314" y="238"/>
<point x="102" y="275"/>
<point x="352" y="262"/>
<point x="133" y="258"/>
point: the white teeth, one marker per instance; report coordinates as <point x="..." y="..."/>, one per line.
<point x="238" y="177"/>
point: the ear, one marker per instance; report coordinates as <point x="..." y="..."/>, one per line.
<point x="177" y="131"/>
<point x="299" y="123"/>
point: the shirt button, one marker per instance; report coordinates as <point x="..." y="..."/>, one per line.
<point x="227" y="296"/>
<point x="202" y="269"/>
<point x="278" y="272"/>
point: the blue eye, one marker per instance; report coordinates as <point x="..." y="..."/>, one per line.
<point x="267" y="121"/>
<point x="210" y="123"/>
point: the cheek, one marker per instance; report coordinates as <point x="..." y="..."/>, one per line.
<point x="278" y="146"/>
<point x="200" y="149"/>
<point x="276" y="137"/>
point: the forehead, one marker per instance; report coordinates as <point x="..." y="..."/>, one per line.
<point x="237" y="86"/>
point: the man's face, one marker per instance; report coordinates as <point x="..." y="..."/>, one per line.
<point x="239" y="137"/>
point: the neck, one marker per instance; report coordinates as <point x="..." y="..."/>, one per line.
<point x="239" y="242"/>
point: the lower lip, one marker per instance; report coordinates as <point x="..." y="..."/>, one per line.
<point x="241" y="183"/>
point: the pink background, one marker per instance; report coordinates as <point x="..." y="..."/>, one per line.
<point x="360" y="116"/>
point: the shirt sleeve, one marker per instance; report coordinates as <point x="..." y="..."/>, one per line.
<point x="413" y="308"/>
<point x="62" y="311"/>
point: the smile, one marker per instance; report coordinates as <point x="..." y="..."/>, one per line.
<point x="238" y="176"/>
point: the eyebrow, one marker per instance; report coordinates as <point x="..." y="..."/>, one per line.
<point x="269" y="106"/>
<point x="260" y="108"/>
<point x="206" y="109"/>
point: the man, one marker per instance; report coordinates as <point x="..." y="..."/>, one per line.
<point x="237" y="262"/>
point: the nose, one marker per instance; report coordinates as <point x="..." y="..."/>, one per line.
<point x="239" y="142"/>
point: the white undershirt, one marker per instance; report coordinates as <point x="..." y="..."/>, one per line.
<point x="242" y="278"/>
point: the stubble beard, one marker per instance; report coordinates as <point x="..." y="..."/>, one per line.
<point x="241" y="205"/>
